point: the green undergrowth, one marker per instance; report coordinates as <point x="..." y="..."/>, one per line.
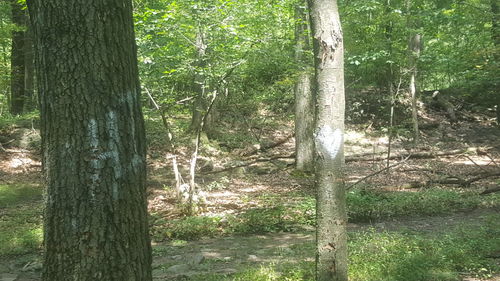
<point x="12" y="194"/>
<point x="28" y="120"/>
<point x="366" y="206"/>
<point x="395" y="256"/>
<point x="281" y="214"/>
<point x="20" y="219"/>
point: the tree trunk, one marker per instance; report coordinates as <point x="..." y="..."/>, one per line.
<point x="17" y="59"/>
<point x="93" y="141"/>
<point x="304" y="123"/>
<point x="414" y="46"/>
<point x="29" y="70"/>
<point x="331" y="251"/>
<point x="304" y="100"/>
<point x="200" y="103"/>
<point x="495" y="35"/>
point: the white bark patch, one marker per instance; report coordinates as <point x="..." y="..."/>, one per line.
<point x="114" y="141"/>
<point x="329" y="142"/>
<point x="137" y="162"/>
<point x="131" y="96"/>
<point x="94" y="162"/>
<point x="92" y="133"/>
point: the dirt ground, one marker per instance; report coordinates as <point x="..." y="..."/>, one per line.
<point x="477" y="138"/>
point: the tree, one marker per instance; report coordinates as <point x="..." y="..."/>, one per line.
<point x="304" y="100"/>
<point x="414" y="46"/>
<point x="17" y="59"/>
<point x="495" y="35"/>
<point x="93" y="141"/>
<point x="331" y="241"/>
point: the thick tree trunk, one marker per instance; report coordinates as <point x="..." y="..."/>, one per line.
<point x="304" y="99"/>
<point x="17" y="59"/>
<point x="331" y="257"/>
<point x="93" y="141"/>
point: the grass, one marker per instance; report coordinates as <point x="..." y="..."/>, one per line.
<point x="278" y="214"/>
<point x="14" y="194"/>
<point x="20" y="219"/>
<point x="395" y="256"/>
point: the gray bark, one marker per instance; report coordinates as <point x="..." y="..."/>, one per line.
<point x="414" y="47"/>
<point x="304" y="99"/>
<point x="304" y="123"/>
<point x="331" y="256"/>
<point x="93" y="141"/>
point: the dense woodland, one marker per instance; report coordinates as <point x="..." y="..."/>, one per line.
<point x="249" y="140"/>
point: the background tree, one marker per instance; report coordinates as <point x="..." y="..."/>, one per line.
<point x="17" y="60"/>
<point x="93" y="141"/>
<point x="304" y="99"/>
<point x="331" y="216"/>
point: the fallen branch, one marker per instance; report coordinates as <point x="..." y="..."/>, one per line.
<point x="263" y="148"/>
<point x="249" y="163"/>
<point x="418" y="155"/>
<point x="491" y="190"/>
<point x="378" y="172"/>
<point x="454" y="180"/>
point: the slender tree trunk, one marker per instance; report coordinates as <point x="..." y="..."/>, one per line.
<point x="414" y="47"/>
<point x="304" y="99"/>
<point x="331" y="240"/>
<point x="17" y="59"/>
<point x="495" y="35"/>
<point x="304" y="123"/>
<point x="200" y="103"/>
<point x="390" y="78"/>
<point x="93" y="141"/>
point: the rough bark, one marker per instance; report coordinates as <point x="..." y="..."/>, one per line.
<point x="93" y="141"/>
<point x="331" y="241"/>
<point x="17" y="59"/>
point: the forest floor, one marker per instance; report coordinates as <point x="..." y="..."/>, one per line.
<point x="259" y="217"/>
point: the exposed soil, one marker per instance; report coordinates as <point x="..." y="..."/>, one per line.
<point x="235" y="190"/>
